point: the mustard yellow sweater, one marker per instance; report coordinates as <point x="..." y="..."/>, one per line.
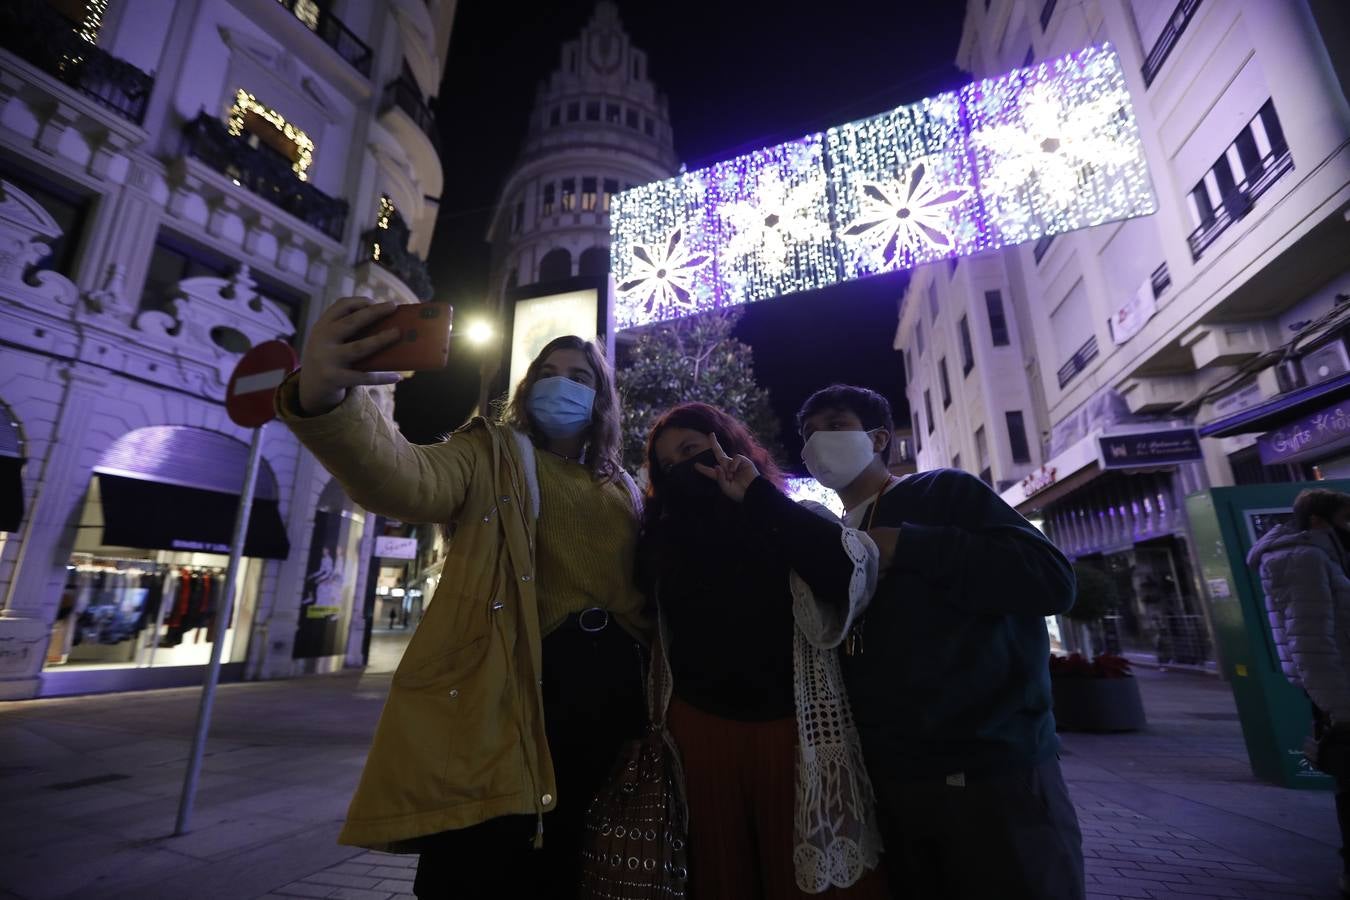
<point x="586" y="543"/>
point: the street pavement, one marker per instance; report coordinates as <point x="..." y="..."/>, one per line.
<point x="89" y="789"/>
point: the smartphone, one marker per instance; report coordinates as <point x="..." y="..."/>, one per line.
<point x="423" y="343"/>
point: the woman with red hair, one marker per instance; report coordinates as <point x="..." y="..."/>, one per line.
<point x="754" y="593"/>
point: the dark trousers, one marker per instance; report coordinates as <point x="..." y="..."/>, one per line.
<point x="594" y="700"/>
<point x="1321" y="725"/>
<point x="1013" y="836"/>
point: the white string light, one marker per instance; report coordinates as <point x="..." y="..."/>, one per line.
<point x="1036" y="152"/>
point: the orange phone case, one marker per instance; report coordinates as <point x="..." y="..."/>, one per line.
<point x="424" y="339"/>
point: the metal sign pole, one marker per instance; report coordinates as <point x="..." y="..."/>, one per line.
<point x="222" y="622"/>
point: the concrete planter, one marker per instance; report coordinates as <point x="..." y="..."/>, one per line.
<point x="1097" y="704"/>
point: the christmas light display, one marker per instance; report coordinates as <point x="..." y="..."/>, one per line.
<point x="245" y="104"/>
<point x="1039" y="151"/>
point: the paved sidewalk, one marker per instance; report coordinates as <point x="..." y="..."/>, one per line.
<point x="89" y="787"/>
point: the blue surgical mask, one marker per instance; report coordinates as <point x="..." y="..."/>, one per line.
<point x="561" y="407"/>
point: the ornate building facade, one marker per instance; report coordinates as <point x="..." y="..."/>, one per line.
<point x="598" y="126"/>
<point x="178" y="182"/>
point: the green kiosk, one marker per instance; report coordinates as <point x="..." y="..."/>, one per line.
<point x="1275" y="715"/>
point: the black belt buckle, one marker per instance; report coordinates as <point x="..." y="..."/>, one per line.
<point x="593" y="620"/>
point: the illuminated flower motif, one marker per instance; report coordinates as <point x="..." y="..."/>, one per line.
<point x="911" y="214"/>
<point x="1057" y="144"/>
<point x="765" y="226"/>
<point x="664" y="275"/>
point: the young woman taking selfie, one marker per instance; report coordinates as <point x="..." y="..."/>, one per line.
<point x="526" y="672"/>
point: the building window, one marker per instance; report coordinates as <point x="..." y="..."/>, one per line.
<point x="593" y="111"/>
<point x="945" y="384"/>
<point x="574" y="111"/>
<point x="548" y="197"/>
<point x="611" y="188"/>
<point x="1017" y="437"/>
<point x="517" y="216"/>
<point x="918" y="433"/>
<point x="588" y="186"/>
<point x="594" y="261"/>
<point x="928" y="408"/>
<point x="630" y="118"/>
<point x="918" y="336"/>
<point x="637" y="69"/>
<point x="956" y="461"/>
<point x="998" y="325"/>
<point x="932" y="300"/>
<point x="981" y="448"/>
<point x="648" y="126"/>
<point x="613" y="113"/>
<point x="909" y="366"/>
<point x="556" y="265"/>
<point x="1171" y="34"/>
<point x="1257" y="158"/>
<point x="967" y="350"/>
<point x="67" y="207"/>
<point x="175" y="259"/>
<point x="569" y="194"/>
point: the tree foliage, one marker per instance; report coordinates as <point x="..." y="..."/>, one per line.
<point x="694" y="358"/>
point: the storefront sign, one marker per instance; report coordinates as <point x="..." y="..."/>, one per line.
<point x="1134" y="313"/>
<point x="396" y="547"/>
<point x="1039" y="480"/>
<point x="1123" y="451"/>
<point x="1319" y="431"/>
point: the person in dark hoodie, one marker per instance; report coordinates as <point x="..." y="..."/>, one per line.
<point x="948" y="672"/>
<point x="1303" y="572"/>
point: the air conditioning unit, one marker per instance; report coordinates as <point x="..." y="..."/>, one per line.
<point x="1325" y="362"/>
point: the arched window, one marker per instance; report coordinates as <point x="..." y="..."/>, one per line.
<point x="594" y="261"/>
<point x="556" y="265"/>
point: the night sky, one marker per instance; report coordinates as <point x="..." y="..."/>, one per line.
<point x="738" y="77"/>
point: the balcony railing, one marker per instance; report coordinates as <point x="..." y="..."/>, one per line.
<point x="333" y="32"/>
<point x="1161" y="279"/>
<point x="264" y="172"/>
<point x="35" y="32"/>
<point x="1047" y="12"/>
<point x="388" y="246"/>
<point x="407" y="96"/>
<point x="1042" y="247"/>
<point x="1181" y="17"/>
<point x="1238" y="202"/>
<point x="1078" y="362"/>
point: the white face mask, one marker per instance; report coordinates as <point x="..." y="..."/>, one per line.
<point x="835" y="458"/>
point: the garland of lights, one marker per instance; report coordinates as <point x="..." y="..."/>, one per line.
<point x="245" y="103"/>
<point x="92" y="22"/>
<point x="1039" y="151"/>
<point x="382" y="220"/>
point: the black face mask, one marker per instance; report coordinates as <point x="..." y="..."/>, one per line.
<point x="686" y="488"/>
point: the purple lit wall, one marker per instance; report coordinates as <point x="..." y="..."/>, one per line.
<point x="1036" y="152"/>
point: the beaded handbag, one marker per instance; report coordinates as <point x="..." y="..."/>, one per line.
<point x="636" y="827"/>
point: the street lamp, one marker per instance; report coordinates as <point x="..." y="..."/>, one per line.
<point x="479" y="332"/>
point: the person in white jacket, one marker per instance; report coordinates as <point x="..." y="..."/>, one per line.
<point x="1303" y="566"/>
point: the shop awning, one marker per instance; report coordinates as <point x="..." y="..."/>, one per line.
<point x="1279" y="410"/>
<point x="11" y="492"/>
<point x="154" y="515"/>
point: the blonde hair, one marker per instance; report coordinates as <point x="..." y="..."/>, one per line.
<point x="604" y="434"/>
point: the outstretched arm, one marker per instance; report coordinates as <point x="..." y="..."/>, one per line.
<point x="989" y="558"/>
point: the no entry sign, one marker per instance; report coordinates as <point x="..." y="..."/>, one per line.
<point x="248" y="399"/>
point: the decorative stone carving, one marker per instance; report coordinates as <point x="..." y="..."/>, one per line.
<point x="25" y="232"/>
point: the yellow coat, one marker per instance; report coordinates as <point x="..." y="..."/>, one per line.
<point x="461" y="739"/>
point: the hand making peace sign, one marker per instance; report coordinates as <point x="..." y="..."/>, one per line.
<point x="734" y="476"/>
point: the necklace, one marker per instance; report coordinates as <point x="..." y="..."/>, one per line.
<point x="872" y="513"/>
<point x="576" y="458"/>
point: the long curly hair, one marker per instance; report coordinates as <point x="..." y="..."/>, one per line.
<point x="604" y="434"/>
<point x="734" y="437"/>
